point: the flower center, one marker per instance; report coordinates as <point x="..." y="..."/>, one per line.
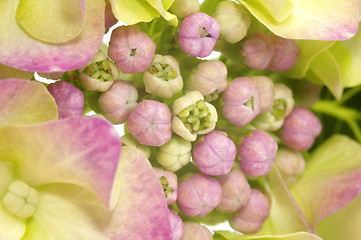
<point x="203" y="32"/>
<point x="99" y="70"/>
<point x="20" y="199"/>
<point x="279" y="109"/>
<point x="163" y="71"/>
<point x="133" y="51"/>
<point x="250" y="103"/>
<point x="196" y="117"/>
<point x="211" y="97"/>
<point x="166" y="188"/>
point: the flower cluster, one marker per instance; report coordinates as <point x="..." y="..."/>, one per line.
<point x="237" y="138"/>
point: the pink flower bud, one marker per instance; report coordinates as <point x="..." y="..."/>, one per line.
<point x="177" y="225"/>
<point x="300" y="129"/>
<point x="131" y="49"/>
<point x="265" y="88"/>
<point x="210" y="79"/>
<point x="251" y="216"/>
<point x="150" y="123"/>
<point x="285" y="54"/>
<point x="257" y="152"/>
<point x="257" y="50"/>
<point x="198" y="195"/>
<point x="118" y="102"/>
<point x="70" y="100"/>
<point x="290" y="164"/>
<point x="195" y="231"/>
<point x="168" y="180"/>
<point x="241" y="101"/>
<point x="198" y="34"/>
<point x="215" y="155"/>
<point x="235" y="191"/>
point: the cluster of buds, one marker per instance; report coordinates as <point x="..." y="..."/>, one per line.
<point x="217" y="122"/>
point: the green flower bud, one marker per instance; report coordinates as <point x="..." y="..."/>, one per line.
<point x="99" y="74"/>
<point x="174" y="154"/>
<point x="20" y="200"/>
<point x="234" y="20"/>
<point x="184" y="8"/>
<point x="192" y="116"/>
<point x="163" y="78"/>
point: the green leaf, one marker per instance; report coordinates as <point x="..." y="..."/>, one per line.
<point x="132" y="12"/>
<point x="332" y="178"/>
<point x="308" y="50"/>
<point x="307" y="19"/>
<point x="221" y="235"/>
<point x="53" y="21"/>
<point x="325" y="67"/>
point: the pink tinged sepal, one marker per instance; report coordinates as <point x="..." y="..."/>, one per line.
<point x="142" y="209"/>
<point x="331" y="180"/>
<point x="70" y="100"/>
<point x="25" y="102"/>
<point x="80" y="150"/>
<point x="29" y="54"/>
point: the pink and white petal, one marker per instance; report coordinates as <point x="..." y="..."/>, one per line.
<point x="82" y="150"/>
<point x="68" y="212"/>
<point x="9" y="72"/>
<point x="25" y="102"/>
<point x="19" y="50"/>
<point x="142" y="207"/>
<point x="318" y="20"/>
<point x="331" y="180"/>
<point x="53" y="21"/>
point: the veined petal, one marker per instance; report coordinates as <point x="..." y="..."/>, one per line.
<point x="331" y="180"/>
<point x="308" y="50"/>
<point x="347" y="54"/>
<point x="318" y="20"/>
<point x="19" y="50"/>
<point x="343" y="224"/>
<point x="132" y="12"/>
<point x="82" y="150"/>
<point x="53" y="21"/>
<point x="68" y="212"/>
<point x="141" y="209"/>
<point x="224" y="235"/>
<point x="285" y="215"/>
<point x="25" y="102"/>
<point x="9" y="72"/>
<point x="279" y="9"/>
<point x="11" y="227"/>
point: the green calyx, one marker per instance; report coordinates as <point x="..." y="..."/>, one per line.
<point x="196" y="117"/>
<point x="163" y="71"/>
<point x="99" y="70"/>
<point x="211" y="97"/>
<point x="20" y="199"/>
<point x="165" y="184"/>
<point x="279" y="109"/>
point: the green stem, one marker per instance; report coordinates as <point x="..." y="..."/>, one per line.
<point x="349" y="94"/>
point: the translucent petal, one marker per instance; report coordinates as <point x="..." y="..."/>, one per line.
<point x="53" y="21"/>
<point x="25" y="102"/>
<point x="11" y="227"/>
<point x="84" y="151"/>
<point x="132" y="12"/>
<point x="68" y="212"/>
<point x="331" y="180"/>
<point x="285" y="215"/>
<point x="142" y="207"/>
<point x="224" y="235"/>
<point x="19" y="50"/>
<point x="9" y="72"/>
<point x="318" y="20"/>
